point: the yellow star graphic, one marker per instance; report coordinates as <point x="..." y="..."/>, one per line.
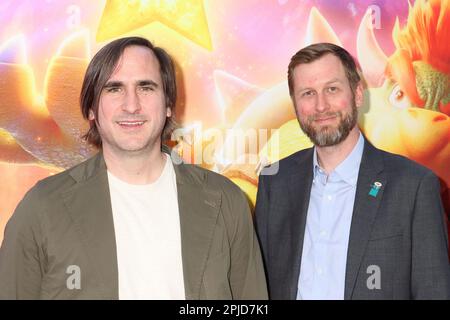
<point x="186" y="17"/>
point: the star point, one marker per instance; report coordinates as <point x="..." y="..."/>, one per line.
<point x="185" y="17"/>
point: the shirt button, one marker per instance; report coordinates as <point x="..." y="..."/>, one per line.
<point x="319" y="271"/>
<point x="329" y="197"/>
<point x="323" y="233"/>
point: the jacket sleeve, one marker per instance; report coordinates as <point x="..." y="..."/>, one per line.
<point x="430" y="271"/>
<point x="247" y="278"/>
<point x="21" y="256"/>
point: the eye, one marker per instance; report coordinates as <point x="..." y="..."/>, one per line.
<point x="332" y="89"/>
<point x="112" y="89"/>
<point x="398" y="98"/>
<point x="147" y="88"/>
<point x="307" y="93"/>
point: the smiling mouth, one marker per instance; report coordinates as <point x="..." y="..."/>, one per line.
<point x="319" y="120"/>
<point x="131" y="124"/>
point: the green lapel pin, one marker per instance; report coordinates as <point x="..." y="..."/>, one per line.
<point x="375" y="188"/>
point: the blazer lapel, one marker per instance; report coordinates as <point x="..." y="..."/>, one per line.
<point x="89" y="205"/>
<point x="299" y="189"/>
<point x="364" y="212"/>
<point x="199" y="209"/>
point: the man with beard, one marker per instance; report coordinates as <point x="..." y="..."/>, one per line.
<point x="344" y="220"/>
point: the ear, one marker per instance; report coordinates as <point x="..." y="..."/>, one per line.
<point x="91" y="115"/>
<point x="359" y="95"/>
<point x="168" y="112"/>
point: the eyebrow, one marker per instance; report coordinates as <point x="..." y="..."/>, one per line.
<point x="326" y="83"/>
<point x="115" y="84"/>
<point x="333" y="81"/>
<point x="147" y="83"/>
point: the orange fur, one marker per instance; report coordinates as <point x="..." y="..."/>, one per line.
<point x="426" y="37"/>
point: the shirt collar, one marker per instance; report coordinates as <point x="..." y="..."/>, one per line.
<point x="348" y="169"/>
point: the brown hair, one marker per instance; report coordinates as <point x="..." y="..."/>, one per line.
<point x="314" y="52"/>
<point x="100" y="70"/>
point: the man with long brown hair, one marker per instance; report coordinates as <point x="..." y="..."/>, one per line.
<point x="128" y="223"/>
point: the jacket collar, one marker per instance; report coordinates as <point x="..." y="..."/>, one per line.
<point x="298" y="187"/>
<point x="89" y="205"/>
<point x="365" y="210"/>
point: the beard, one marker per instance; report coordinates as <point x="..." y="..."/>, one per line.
<point x="327" y="136"/>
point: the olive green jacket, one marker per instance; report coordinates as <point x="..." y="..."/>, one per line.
<point x="63" y="228"/>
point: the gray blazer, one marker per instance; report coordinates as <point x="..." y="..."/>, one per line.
<point x="67" y="220"/>
<point x="401" y="230"/>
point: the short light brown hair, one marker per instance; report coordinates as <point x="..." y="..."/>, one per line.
<point x="316" y="51"/>
<point x="102" y="67"/>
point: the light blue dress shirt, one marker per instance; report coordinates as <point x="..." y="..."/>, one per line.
<point x="325" y="245"/>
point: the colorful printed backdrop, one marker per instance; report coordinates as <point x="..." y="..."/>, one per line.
<point x="231" y="56"/>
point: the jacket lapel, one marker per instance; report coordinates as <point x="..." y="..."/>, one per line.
<point x="89" y="205"/>
<point x="198" y="210"/>
<point x="299" y="189"/>
<point x="364" y="212"/>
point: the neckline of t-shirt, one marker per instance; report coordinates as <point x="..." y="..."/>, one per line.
<point x="138" y="187"/>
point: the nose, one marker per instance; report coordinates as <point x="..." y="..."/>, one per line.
<point x="131" y="103"/>
<point x="322" y="104"/>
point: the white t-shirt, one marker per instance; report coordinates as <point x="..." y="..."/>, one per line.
<point x="147" y="229"/>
